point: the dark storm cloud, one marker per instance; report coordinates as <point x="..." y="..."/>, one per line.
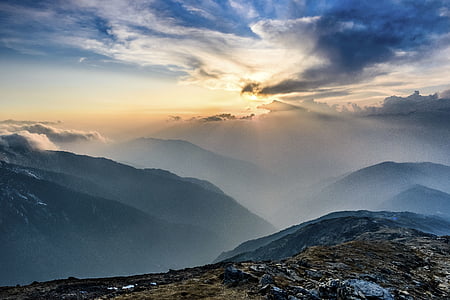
<point x="320" y="94"/>
<point x="295" y="85"/>
<point x="355" y="35"/>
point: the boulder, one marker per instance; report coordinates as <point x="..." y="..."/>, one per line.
<point x="266" y="279"/>
<point x="233" y="276"/>
<point x="353" y="289"/>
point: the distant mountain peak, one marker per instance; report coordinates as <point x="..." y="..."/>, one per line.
<point x="279" y="106"/>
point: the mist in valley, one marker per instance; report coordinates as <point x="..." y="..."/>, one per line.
<point x="275" y="162"/>
<point x="279" y="163"/>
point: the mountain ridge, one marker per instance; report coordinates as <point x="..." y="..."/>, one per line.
<point x="53" y="232"/>
<point x="427" y="224"/>
<point x="155" y="192"/>
<point x="367" y="188"/>
<point x="419" y="198"/>
<point x="237" y="178"/>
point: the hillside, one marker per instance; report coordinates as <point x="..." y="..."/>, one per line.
<point x="49" y="231"/>
<point x="238" y="178"/>
<point x="155" y="192"/>
<point x="427" y="224"/>
<point x="420" y="199"/>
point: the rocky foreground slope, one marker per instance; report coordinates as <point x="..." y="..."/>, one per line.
<point x="402" y="268"/>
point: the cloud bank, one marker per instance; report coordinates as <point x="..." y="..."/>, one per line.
<point x="63" y="135"/>
<point x="414" y="103"/>
<point x="26" y="140"/>
<point x="40" y="135"/>
<point x="437" y="103"/>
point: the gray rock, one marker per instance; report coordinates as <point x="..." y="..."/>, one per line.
<point x="233" y="276"/>
<point x="265" y="289"/>
<point x="302" y="293"/>
<point x="329" y="289"/>
<point x="362" y="289"/>
<point x="314" y="294"/>
<point x="314" y="274"/>
<point x="353" y="289"/>
<point x="275" y="293"/>
<point x="266" y="279"/>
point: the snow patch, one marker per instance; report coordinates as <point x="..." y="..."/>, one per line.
<point x="31" y="174"/>
<point x="130" y="286"/>
<point x="38" y="201"/>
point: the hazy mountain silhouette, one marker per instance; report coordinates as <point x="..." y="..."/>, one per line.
<point x="156" y="192"/>
<point x="238" y="178"/>
<point x="368" y="188"/>
<point x="420" y="199"/>
<point x="48" y="231"/>
<point x="336" y="233"/>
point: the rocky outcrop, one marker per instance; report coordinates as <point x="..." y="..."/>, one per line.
<point x="353" y="289"/>
<point x="233" y="276"/>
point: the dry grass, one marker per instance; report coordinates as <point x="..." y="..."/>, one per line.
<point x="205" y="287"/>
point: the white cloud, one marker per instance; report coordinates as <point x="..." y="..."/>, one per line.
<point x="26" y="140"/>
<point x="41" y="135"/>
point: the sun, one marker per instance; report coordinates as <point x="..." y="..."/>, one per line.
<point x="251" y="96"/>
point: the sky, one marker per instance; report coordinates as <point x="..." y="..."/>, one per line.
<point x="306" y="90"/>
<point x="85" y="61"/>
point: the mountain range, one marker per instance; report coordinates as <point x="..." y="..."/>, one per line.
<point x="49" y="231"/>
<point x="375" y="187"/>
<point x="238" y="178"/>
<point x="156" y="219"/>
<point x="64" y="214"/>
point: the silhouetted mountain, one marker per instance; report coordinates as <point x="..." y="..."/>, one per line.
<point x="156" y="192"/>
<point x="238" y="178"/>
<point x="48" y="231"/>
<point x="279" y="106"/>
<point x="368" y="188"/>
<point x="314" y="232"/>
<point x="420" y="199"/>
